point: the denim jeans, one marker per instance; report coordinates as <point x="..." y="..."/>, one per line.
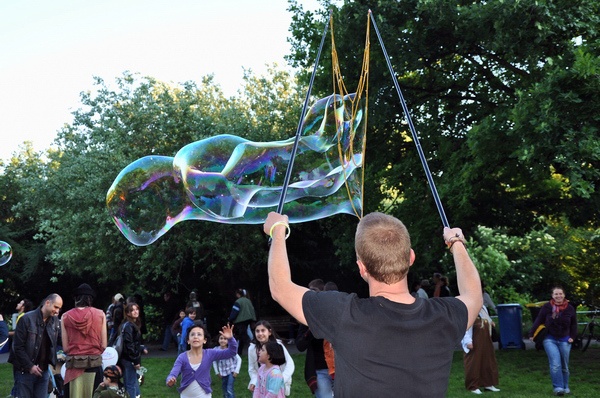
<point x="130" y="378"/>
<point x="558" y="358"/>
<point x="31" y="386"/>
<point x="15" y="390"/>
<point x="227" y="385"/>
<point x="324" y="384"/>
<point x="181" y="348"/>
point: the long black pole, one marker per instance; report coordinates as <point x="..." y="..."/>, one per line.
<point x="288" y="173"/>
<point x="413" y="131"/>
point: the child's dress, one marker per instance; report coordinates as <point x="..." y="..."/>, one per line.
<point x="270" y="383"/>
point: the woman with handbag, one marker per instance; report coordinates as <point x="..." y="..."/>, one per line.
<point x="130" y="359"/>
<point x="560" y="319"/>
<point x="481" y="369"/>
<point x="84" y="336"/>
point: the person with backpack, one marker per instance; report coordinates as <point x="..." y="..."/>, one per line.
<point x="84" y="339"/>
<point x="130" y="359"/>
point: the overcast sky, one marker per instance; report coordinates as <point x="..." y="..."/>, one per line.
<point x="50" y="51"/>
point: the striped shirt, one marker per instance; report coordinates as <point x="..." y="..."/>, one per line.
<point x="225" y="367"/>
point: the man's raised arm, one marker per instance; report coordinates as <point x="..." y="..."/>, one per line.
<point x="469" y="285"/>
<point x="283" y="290"/>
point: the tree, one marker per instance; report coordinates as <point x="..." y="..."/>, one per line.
<point x="502" y="97"/>
<point x="140" y="117"/>
<point x="19" y="228"/>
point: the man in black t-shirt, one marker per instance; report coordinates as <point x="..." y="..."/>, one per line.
<point x="389" y="344"/>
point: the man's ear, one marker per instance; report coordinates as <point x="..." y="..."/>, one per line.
<point x="413" y="257"/>
<point x="362" y="269"/>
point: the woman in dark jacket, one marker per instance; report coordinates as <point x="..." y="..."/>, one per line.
<point x="560" y="319"/>
<point x="131" y="357"/>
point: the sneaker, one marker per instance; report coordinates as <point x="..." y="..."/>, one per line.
<point x="559" y="392"/>
<point x="492" y="388"/>
<point x="478" y="391"/>
<point x="567" y="391"/>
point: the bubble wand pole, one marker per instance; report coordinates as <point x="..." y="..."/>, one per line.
<point x="288" y="172"/>
<point x="413" y="131"/>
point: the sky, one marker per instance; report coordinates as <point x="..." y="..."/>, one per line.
<point x="51" y="50"/>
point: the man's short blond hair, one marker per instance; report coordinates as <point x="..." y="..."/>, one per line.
<point x="382" y="243"/>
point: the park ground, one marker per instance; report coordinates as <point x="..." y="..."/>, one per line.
<point x="523" y="374"/>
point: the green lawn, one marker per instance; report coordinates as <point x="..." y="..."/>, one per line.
<point x="523" y="374"/>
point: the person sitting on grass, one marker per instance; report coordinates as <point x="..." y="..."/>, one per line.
<point x="111" y="387"/>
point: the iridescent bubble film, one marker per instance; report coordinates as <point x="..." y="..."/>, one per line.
<point x="229" y="179"/>
<point x="5" y="252"/>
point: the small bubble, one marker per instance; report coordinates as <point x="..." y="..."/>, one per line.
<point x="5" y="253"/>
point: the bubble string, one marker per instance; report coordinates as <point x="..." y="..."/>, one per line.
<point x="357" y="102"/>
<point x="413" y="131"/>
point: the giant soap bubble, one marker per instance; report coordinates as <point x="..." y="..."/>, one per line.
<point x="229" y="179"/>
<point x="5" y="252"/>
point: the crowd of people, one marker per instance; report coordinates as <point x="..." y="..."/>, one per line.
<point x="437" y="287"/>
<point x="84" y="332"/>
<point x="375" y="346"/>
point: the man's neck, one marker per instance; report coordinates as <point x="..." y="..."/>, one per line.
<point x="44" y="316"/>
<point x="396" y="292"/>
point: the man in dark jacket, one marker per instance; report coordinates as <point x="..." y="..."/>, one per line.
<point x="34" y="347"/>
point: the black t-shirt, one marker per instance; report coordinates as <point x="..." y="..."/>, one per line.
<point x="43" y="358"/>
<point x="388" y="349"/>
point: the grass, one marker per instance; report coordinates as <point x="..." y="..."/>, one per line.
<point x="523" y="374"/>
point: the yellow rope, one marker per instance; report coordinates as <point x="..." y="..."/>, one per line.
<point x="363" y="86"/>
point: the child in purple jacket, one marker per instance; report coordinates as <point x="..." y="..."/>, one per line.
<point x="194" y="364"/>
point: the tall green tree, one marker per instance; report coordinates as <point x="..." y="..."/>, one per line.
<point x="138" y="117"/>
<point x="501" y="93"/>
<point x="18" y="227"/>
